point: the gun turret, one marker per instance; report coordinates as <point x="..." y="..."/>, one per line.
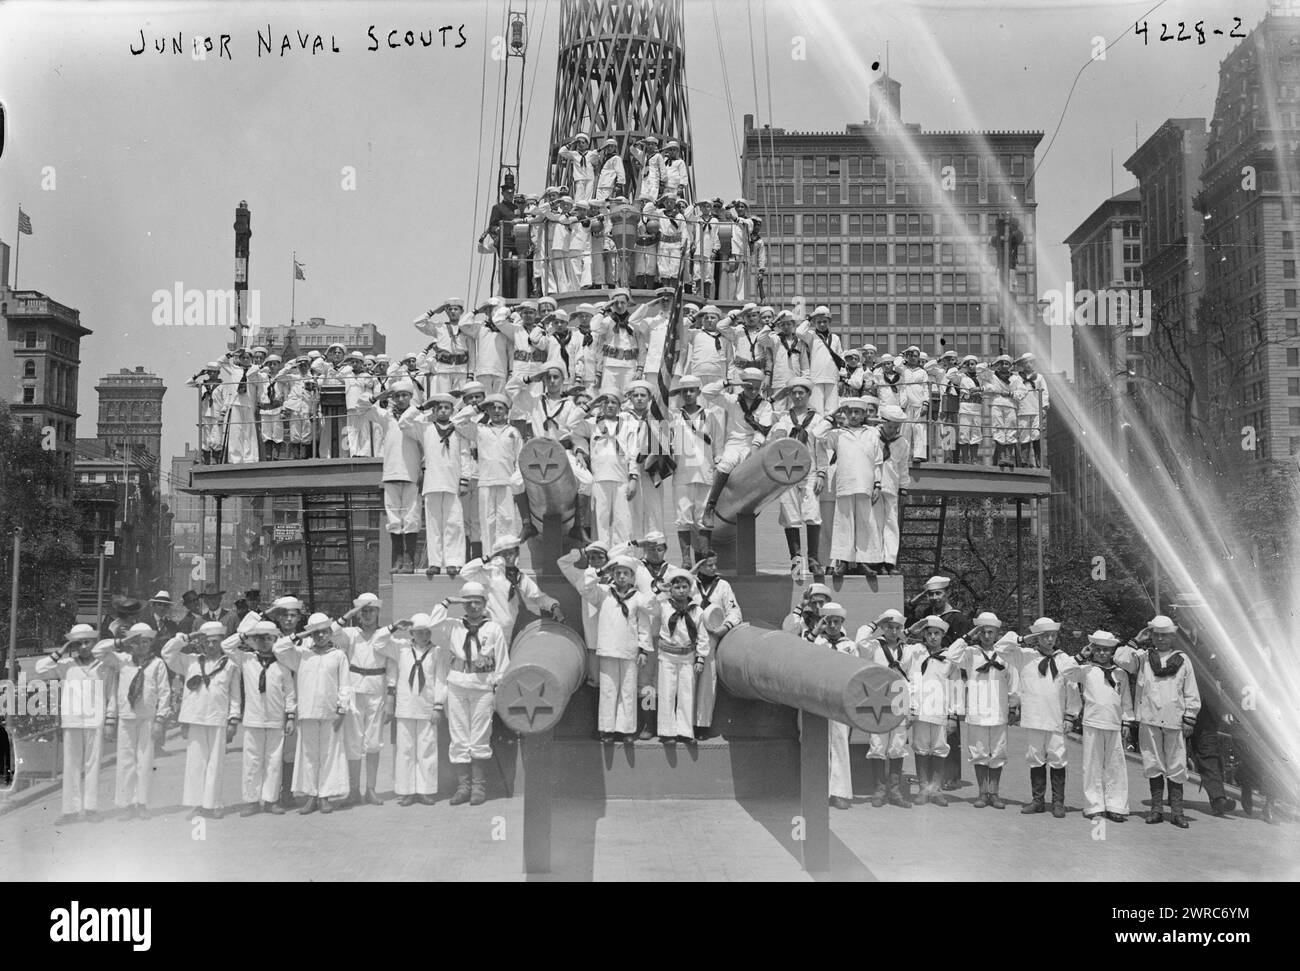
<point x="547" y="665"/>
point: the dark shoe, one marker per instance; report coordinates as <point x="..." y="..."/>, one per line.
<point x="432" y="571"/>
<point x="951" y="785"/>
<point x="427" y="800"/>
<point x="867" y="572"/>
<point x="461" y="795"/>
<point x="670" y="741"/>
<point x="938" y="798"/>
<point x="405" y="801"/>
<point x="309" y="807"/>
<point x="923" y="784"/>
<point x="1155" y="816"/>
<point x="995" y="779"/>
<point x="897" y="794"/>
<point x="252" y="809"/>
<point x="839" y="802"/>
<point x="453" y="571"/>
<point x="129" y="812"/>
<point x="528" y="532"/>
<point x="1176" y="805"/>
<point x="1222" y="805"/>
<point x="1115" y="817"/>
<point x="815" y="567"/>
<point x="1038" y="790"/>
<point x="372" y="798"/>
<point x="701" y="733"/>
<point x="608" y="738"/>
<point x="686" y="739"/>
<point x="1058" y="793"/>
<point x="478" y="784"/>
<point x="275" y="809"/>
<point x="198" y="812"/>
<point x="328" y="807"/>
<point x="1157" y="786"/>
<point x="1092" y="815"/>
<point x="982" y="780"/>
<point x="839" y="568"/>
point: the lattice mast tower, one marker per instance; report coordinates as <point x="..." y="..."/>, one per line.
<point x="621" y="75"/>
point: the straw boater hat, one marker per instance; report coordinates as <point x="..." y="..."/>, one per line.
<point x="687" y="381"/>
<point x="162" y="597"/>
<point x="987" y="619"/>
<point x="138" y="631"/>
<point x="654" y="538"/>
<point x="284" y="603"/>
<point x="889" y="615"/>
<point x="421" y="622"/>
<point x="820" y="590"/>
<point x="1160" y="624"/>
<point x="81" y="632"/>
<point x="367" y="600"/>
<point x="212" y="628"/>
<point x="937" y="583"/>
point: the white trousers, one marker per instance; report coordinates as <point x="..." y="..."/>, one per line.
<point x="616" y="378"/>
<point x="800" y="506"/>
<point x="968" y="428"/>
<point x="321" y="766"/>
<point x="445" y="382"/>
<point x="646" y="509"/>
<point x="81" y="751"/>
<point x="689" y="498"/>
<point x="1004" y="424"/>
<point x="469" y="724"/>
<point x="706" y="687"/>
<point x="676" y="695"/>
<point x="1105" y="773"/>
<point x="444" y="521"/>
<point x="361" y="727"/>
<point x="987" y="745"/>
<point x="241" y="443"/>
<point x="825" y="398"/>
<point x="888" y="745"/>
<point x="884" y="526"/>
<point x="205" y="757"/>
<point x="415" y="769"/>
<point x="358" y="436"/>
<point x="929" y="739"/>
<point x="272" y="427"/>
<point x="916" y="416"/>
<point x="616" y="678"/>
<point x="613" y="512"/>
<point x="263" y="764"/>
<point x="841" y="770"/>
<point x="1045" y="748"/>
<point x="497" y="514"/>
<point x="1164" y="752"/>
<point x="1029" y="428"/>
<point x="134" y="761"/>
<point x="855" y="538"/>
<point x="402" y="504"/>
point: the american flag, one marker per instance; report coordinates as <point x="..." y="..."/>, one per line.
<point x="24" y="222"/>
<point x="659" y="465"/>
<point x="297" y="271"/>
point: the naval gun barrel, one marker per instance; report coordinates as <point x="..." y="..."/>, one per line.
<point x="768" y="471"/>
<point x="549" y="482"/>
<point x="782" y="669"/>
<point x="547" y="665"/>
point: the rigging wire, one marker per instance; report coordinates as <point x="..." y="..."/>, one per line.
<point x="475" y="255"/>
<point x="726" y="86"/>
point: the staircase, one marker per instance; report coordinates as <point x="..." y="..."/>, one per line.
<point x="920" y="530"/>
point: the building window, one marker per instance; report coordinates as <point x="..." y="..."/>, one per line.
<point x="1294" y="416"/>
<point x="1293" y="386"/>
<point x="1292" y="327"/>
<point x="1288" y="269"/>
<point x="1293" y="357"/>
<point x="29" y="340"/>
<point x="29" y="396"/>
<point x="1288" y="298"/>
<point x="29" y="369"/>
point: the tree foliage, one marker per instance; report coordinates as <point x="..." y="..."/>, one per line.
<point x="29" y="480"/>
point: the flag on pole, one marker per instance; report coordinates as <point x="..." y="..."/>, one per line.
<point x="24" y="222"/>
<point x="297" y="269"/>
<point x="659" y="465"/>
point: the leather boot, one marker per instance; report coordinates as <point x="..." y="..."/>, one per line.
<point x="413" y="550"/>
<point x="982" y="779"/>
<point x="1058" y="792"/>
<point x="897" y="793"/>
<point x="814" y="550"/>
<point x="684" y="541"/>
<point x="995" y="778"/>
<point x="274" y="808"/>
<point x="286" y="785"/>
<point x="937" y="798"/>
<point x="879" y="793"/>
<point x="372" y="780"/>
<point x="922" y="780"/>
<point x="354" y="783"/>
<point x="1247" y="800"/>
<point x="1037" y="789"/>
<point x="478" y="783"/>
<point x="461" y="795"/>
<point x="395" y="557"/>
<point x="309" y="807"/>
<point x="1157" y="784"/>
<point x="1176" y="805"/>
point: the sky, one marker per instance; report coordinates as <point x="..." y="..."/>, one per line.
<point x="377" y="166"/>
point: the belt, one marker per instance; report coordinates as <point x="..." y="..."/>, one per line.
<point x="744" y="362"/>
<point x="528" y="356"/>
<point x="368" y="672"/>
<point x="666" y="648"/>
<point x="621" y="354"/>
<point x="461" y="666"/>
<point x="446" y="357"/>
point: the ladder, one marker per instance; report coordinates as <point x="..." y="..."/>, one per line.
<point x="920" y="530"/>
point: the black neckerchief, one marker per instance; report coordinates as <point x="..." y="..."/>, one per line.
<point x="1048" y="661"/>
<point x="622" y="601"/>
<point x="656" y="574"/>
<point x="417" y="668"/>
<point x="136" y="687"/>
<point x="894" y="661"/>
<point x="266" y="660"/>
<point x="748" y="410"/>
<point x="826" y="336"/>
<point x="473" y="647"/>
<point x="1167" y="669"/>
<point x="682" y="613"/>
<point x="925" y="662"/>
<point x="707" y="586"/>
<point x="514" y="576"/>
<point x="204" y="677"/>
<point x="444" y="436"/>
<point x="990" y="661"/>
<point x="549" y="417"/>
<point x="698" y="429"/>
<point x="1108" y="671"/>
<point x="798" y="428"/>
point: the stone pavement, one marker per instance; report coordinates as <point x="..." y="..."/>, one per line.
<point x="640" y="841"/>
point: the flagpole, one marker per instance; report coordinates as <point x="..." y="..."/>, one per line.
<point x="18" y="244"/>
<point x="293" y="285"/>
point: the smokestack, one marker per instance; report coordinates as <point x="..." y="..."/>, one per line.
<point x="4" y="266"/>
<point x="884" y="103"/>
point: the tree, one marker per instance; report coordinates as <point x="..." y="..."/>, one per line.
<point x="29" y="497"/>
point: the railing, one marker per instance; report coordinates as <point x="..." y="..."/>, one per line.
<point x="30" y="303"/>
<point x="316" y="423"/>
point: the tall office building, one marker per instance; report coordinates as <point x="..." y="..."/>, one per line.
<point x="130" y="409"/>
<point x="890" y="227"/>
<point x="1250" y="187"/>
<point x="39" y="358"/>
